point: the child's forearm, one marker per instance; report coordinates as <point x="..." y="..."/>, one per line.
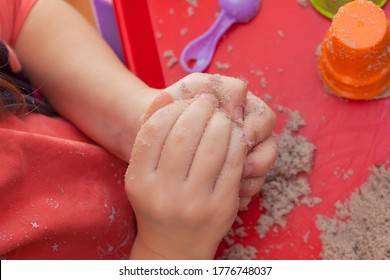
<point x="81" y="77"/>
<point x="140" y="251"/>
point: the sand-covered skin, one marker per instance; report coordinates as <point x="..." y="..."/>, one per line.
<point x="286" y="185"/>
<point x="360" y="228"/>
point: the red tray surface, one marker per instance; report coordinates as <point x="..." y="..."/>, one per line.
<point x="281" y="41"/>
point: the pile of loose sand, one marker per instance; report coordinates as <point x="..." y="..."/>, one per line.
<point x="286" y="185"/>
<point x="360" y="228"/>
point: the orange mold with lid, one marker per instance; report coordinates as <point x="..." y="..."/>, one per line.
<point x="355" y="54"/>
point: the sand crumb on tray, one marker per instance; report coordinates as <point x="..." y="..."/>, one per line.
<point x="267" y="97"/>
<point x="256" y="72"/>
<point x="360" y="228"/>
<point x="172" y="59"/>
<point x="222" y="66"/>
<point x="193" y="3"/>
<point x="190" y="11"/>
<point x="183" y="31"/>
<point x="306" y="237"/>
<point x="158" y="35"/>
<point x="303" y="3"/>
<point x="263" y="82"/>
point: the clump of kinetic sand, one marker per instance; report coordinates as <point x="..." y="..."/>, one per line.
<point x="360" y="228"/>
<point x="286" y="185"/>
<point x="239" y="252"/>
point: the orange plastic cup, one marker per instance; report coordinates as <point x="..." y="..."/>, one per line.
<point x="355" y="54"/>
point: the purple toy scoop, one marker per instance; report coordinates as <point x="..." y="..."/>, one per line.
<point x="197" y="55"/>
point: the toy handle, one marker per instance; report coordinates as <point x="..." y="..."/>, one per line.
<point x="197" y="55"/>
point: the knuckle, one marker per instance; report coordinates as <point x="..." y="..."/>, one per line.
<point x="151" y="128"/>
<point x="180" y="136"/>
<point x="240" y="85"/>
<point x="195" y="213"/>
<point x="251" y="186"/>
<point x="271" y="117"/>
<point x="197" y="75"/>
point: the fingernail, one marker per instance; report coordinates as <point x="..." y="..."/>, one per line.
<point x="225" y="112"/>
<point x="244" y="202"/>
<point x="248" y="170"/>
<point x="238" y="113"/>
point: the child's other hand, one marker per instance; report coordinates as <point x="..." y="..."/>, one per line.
<point x="183" y="180"/>
<point x="256" y="118"/>
<point x="230" y="92"/>
<point x="259" y="122"/>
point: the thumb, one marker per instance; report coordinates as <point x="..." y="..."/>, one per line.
<point x="161" y="100"/>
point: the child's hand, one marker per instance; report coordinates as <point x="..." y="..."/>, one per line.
<point x="183" y="179"/>
<point x="257" y="119"/>
<point x="259" y="122"/>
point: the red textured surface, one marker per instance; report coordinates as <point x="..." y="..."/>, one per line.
<point x="281" y="41"/>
